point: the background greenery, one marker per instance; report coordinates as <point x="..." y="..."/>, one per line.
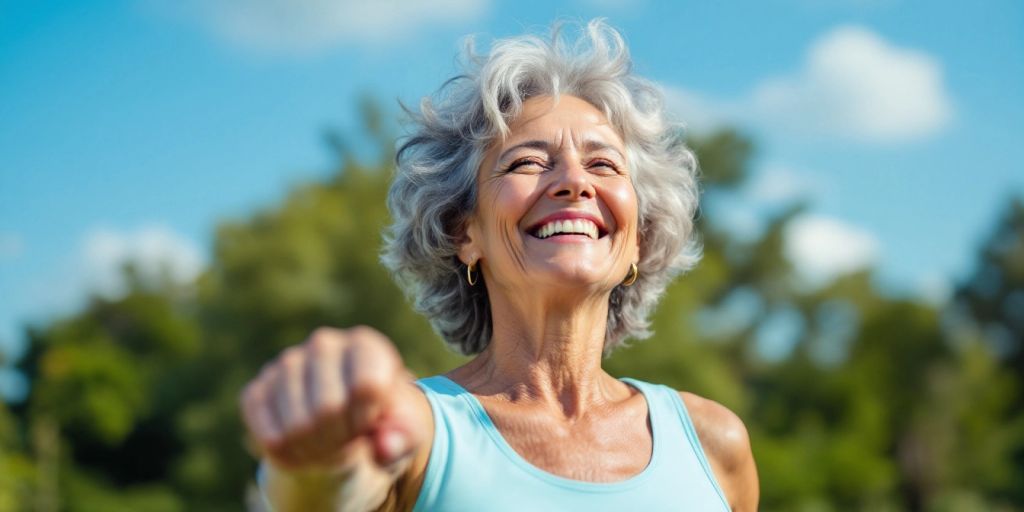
<point x="883" y="403"/>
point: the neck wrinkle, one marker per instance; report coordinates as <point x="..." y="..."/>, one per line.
<point x="549" y="357"/>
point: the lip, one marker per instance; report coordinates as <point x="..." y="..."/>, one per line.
<point x="569" y="215"/>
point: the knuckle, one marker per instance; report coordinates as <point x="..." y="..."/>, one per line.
<point x="324" y="335"/>
<point x="369" y="384"/>
<point x="250" y="395"/>
<point x="267" y="370"/>
<point x="292" y="358"/>
<point x="323" y="343"/>
<point x="363" y="332"/>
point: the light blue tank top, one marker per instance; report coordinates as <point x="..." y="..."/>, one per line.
<point x="473" y="468"/>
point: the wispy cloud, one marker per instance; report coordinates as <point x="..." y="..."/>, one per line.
<point x="155" y="251"/>
<point x="773" y="187"/>
<point x="853" y="85"/>
<point x="778" y="184"/>
<point x="311" y="26"/>
<point x="95" y="265"/>
<point x="822" y="248"/>
<point x="700" y="112"/>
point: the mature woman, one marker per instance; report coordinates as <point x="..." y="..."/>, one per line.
<point x="541" y="206"/>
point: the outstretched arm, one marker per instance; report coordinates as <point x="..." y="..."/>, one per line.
<point x="338" y="422"/>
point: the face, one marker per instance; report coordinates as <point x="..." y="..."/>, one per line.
<point x="556" y="205"/>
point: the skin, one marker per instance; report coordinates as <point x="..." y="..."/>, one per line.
<point x="363" y="440"/>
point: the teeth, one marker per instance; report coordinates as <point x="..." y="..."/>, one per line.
<point x="575" y="226"/>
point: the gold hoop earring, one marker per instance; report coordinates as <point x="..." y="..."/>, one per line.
<point x="633" y="274"/>
<point x="469" y="274"/>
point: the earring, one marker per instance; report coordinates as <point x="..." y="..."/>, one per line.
<point x="470" y="277"/>
<point x="633" y="274"/>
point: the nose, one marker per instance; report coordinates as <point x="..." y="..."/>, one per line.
<point x="572" y="182"/>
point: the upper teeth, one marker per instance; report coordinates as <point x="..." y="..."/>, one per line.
<point x="578" y="226"/>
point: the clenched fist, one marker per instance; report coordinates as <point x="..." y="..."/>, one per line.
<point x="341" y="398"/>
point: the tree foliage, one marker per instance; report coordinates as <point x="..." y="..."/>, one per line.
<point x="863" y="402"/>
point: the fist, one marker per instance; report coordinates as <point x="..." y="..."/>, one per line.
<point x="341" y="397"/>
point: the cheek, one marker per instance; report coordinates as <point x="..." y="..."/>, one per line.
<point x="621" y="200"/>
<point x="504" y="202"/>
<point x="510" y="198"/>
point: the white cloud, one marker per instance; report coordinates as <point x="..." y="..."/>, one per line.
<point x="853" y="85"/>
<point x="934" y="288"/>
<point x="698" y="112"/>
<point x="774" y="186"/>
<point x="822" y="248"/>
<point x="95" y="265"/>
<point x="308" y="26"/>
<point x="777" y="184"/>
<point x="856" y="84"/>
<point x="157" y="253"/>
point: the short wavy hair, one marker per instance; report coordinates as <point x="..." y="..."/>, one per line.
<point x="435" y="185"/>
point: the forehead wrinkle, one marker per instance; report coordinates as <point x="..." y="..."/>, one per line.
<point x="530" y="144"/>
<point x="591" y="145"/>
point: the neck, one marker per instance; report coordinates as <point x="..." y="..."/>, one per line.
<point x="545" y="353"/>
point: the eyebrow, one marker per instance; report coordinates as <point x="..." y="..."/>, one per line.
<point x="589" y="146"/>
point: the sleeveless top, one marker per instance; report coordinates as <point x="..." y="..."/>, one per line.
<point x="472" y="468"/>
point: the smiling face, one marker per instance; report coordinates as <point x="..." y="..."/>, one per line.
<point x="555" y="205"/>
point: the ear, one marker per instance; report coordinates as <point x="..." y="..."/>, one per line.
<point x="469" y="247"/>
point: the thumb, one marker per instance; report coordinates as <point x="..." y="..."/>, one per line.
<point x="391" y="445"/>
<point x="397" y="433"/>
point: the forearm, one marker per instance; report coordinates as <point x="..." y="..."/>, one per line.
<point x="358" y="488"/>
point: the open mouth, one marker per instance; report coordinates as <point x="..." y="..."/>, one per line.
<point x="568" y="227"/>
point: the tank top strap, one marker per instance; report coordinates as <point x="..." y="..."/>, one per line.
<point x="675" y="418"/>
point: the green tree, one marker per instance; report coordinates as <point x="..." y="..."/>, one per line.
<point x="878" y="403"/>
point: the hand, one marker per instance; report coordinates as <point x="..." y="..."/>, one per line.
<point x="339" y="398"/>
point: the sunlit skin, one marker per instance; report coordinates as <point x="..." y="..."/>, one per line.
<point x="549" y="298"/>
<point x="539" y="379"/>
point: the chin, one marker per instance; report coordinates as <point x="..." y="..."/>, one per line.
<point x="575" y="276"/>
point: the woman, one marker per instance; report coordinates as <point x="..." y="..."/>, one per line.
<point x="540" y="207"/>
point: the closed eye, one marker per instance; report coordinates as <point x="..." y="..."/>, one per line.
<point x="526" y="165"/>
<point x="603" y="165"/>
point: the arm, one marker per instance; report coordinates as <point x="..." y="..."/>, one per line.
<point x="726" y="443"/>
<point x="337" y="423"/>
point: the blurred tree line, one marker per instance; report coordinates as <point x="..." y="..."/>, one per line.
<point x="878" y="402"/>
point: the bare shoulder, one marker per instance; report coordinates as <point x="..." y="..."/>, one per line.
<point x="722" y="433"/>
<point x="726" y="443"/>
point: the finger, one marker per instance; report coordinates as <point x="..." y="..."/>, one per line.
<point x="372" y="367"/>
<point x="257" y="415"/>
<point x="326" y="391"/>
<point x="326" y="397"/>
<point x="290" y="391"/>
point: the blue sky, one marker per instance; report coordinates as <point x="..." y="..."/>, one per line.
<point x="129" y="129"/>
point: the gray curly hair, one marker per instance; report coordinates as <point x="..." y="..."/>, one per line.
<point x="434" y="189"/>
